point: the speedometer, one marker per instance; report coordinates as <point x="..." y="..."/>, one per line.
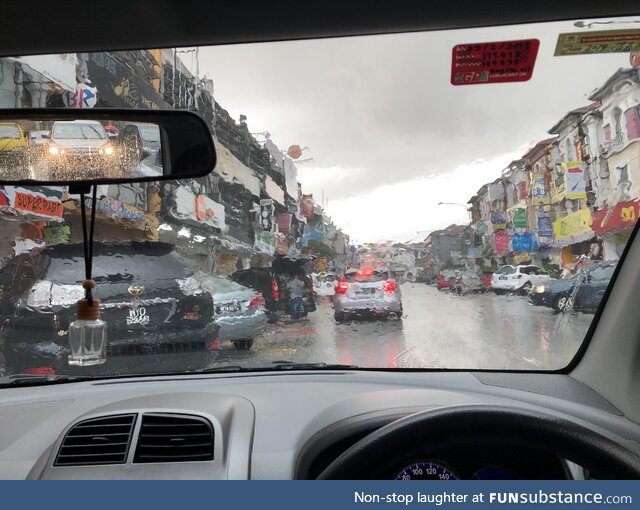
<point x="426" y="471"/>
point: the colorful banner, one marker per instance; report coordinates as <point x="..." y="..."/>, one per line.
<point x="284" y="223"/>
<point x="266" y="215"/>
<point x="188" y="205"/>
<point x="265" y="244"/>
<point x="558" y="189"/>
<point x="575" y="180"/>
<point x="307" y="204"/>
<point x="480" y="227"/>
<point x="573" y="224"/>
<point x="524" y="242"/>
<point x="539" y="191"/>
<point x="311" y="234"/>
<point x="501" y="242"/>
<point x="499" y="221"/>
<point x="545" y="230"/>
<point x="520" y="218"/>
<point x="282" y="246"/>
<point x="623" y="216"/>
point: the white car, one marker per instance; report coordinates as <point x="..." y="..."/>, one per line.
<point x="324" y="284"/>
<point x="518" y="278"/>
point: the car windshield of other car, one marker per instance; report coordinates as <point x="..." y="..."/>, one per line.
<point x="9" y="132"/>
<point x="81" y="131"/>
<point x="370" y="187"/>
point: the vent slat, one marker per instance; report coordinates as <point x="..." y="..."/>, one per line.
<point x="174" y="438"/>
<point x="103" y="440"/>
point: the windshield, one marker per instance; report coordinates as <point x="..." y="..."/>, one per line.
<point x="9" y="132"/>
<point x="78" y="131"/>
<point x="460" y="197"/>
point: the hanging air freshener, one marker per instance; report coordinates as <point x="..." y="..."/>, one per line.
<point x="88" y="334"/>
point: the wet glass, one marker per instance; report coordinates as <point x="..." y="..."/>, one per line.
<point x="427" y="224"/>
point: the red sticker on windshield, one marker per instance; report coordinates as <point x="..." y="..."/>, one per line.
<point x="494" y="62"/>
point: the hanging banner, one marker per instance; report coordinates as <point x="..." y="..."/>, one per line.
<point x="545" y="230"/>
<point x="275" y="153"/>
<point x="282" y="245"/>
<point x="291" y="178"/>
<point x="501" y="242"/>
<point x="574" y="224"/>
<point x="265" y="244"/>
<point x="575" y="180"/>
<point x="558" y="189"/>
<point x="623" y="216"/>
<point x="307" y="204"/>
<point x="198" y="208"/>
<point x="498" y="220"/>
<point x="522" y="190"/>
<point x="480" y="227"/>
<point x="284" y="223"/>
<point x="266" y="215"/>
<point x="524" y="242"/>
<point x="310" y="234"/>
<point x="520" y="218"/>
<point x="43" y="202"/>
<point x="539" y="191"/>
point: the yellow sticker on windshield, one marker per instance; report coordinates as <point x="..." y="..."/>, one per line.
<point x="604" y="41"/>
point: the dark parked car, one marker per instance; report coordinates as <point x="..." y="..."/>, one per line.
<point x="272" y="284"/>
<point x="560" y="295"/>
<point x="157" y="314"/>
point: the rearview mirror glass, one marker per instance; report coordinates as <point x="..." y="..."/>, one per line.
<point x="102" y="146"/>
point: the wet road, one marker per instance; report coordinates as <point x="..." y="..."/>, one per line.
<point x="438" y="330"/>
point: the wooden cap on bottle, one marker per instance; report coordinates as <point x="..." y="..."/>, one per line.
<point x="86" y="312"/>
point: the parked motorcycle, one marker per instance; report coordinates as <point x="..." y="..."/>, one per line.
<point x="468" y="282"/>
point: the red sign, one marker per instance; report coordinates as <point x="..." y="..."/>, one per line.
<point x="282" y="246"/>
<point x="307" y="206"/>
<point x="284" y="223"/>
<point x="37" y="205"/>
<point x="501" y="242"/>
<point x="494" y="62"/>
<point x="624" y="215"/>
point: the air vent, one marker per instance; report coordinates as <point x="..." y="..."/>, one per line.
<point x="174" y="438"/>
<point x="103" y="440"/>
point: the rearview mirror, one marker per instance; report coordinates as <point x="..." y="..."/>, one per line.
<point x="103" y="146"/>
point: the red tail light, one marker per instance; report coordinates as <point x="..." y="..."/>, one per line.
<point x="257" y="301"/>
<point x="40" y="371"/>
<point x="275" y="293"/>
<point x="191" y="316"/>
<point x="390" y="286"/>
<point x="342" y="286"/>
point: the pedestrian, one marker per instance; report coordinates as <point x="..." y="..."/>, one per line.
<point x="296" y="290"/>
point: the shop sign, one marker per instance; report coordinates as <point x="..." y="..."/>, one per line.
<point x="575" y="180"/>
<point x="623" y="216"/>
<point x="574" y="224"/>
<point x="480" y="227"/>
<point x="520" y="218"/>
<point x="118" y="86"/>
<point x="42" y="201"/>
<point x="83" y="96"/>
<point x="57" y="235"/>
<point x="115" y="209"/>
<point x="199" y="208"/>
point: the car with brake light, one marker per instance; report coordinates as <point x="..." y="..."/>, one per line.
<point x="366" y="293"/>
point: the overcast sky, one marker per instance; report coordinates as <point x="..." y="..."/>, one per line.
<point x="390" y="137"/>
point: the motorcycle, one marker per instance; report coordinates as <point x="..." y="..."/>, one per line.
<point x="468" y="282"/>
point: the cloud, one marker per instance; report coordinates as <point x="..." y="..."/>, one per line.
<point x="384" y="125"/>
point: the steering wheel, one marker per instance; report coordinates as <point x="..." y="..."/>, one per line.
<point x="432" y="432"/>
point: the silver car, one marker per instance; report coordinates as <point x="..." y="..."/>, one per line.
<point x="367" y="293"/>
<point x="238" y="310"/>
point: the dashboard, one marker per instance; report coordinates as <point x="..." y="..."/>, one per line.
<point x="278" y="425"/>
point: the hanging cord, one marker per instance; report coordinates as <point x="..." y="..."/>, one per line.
<point x="88" y="245"/>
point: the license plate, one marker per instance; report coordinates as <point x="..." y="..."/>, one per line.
<point x="366" y="291"/>
<point x="138" y="316"/>
<point x="503" y="277"/>
<point x="229" y="308"/>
